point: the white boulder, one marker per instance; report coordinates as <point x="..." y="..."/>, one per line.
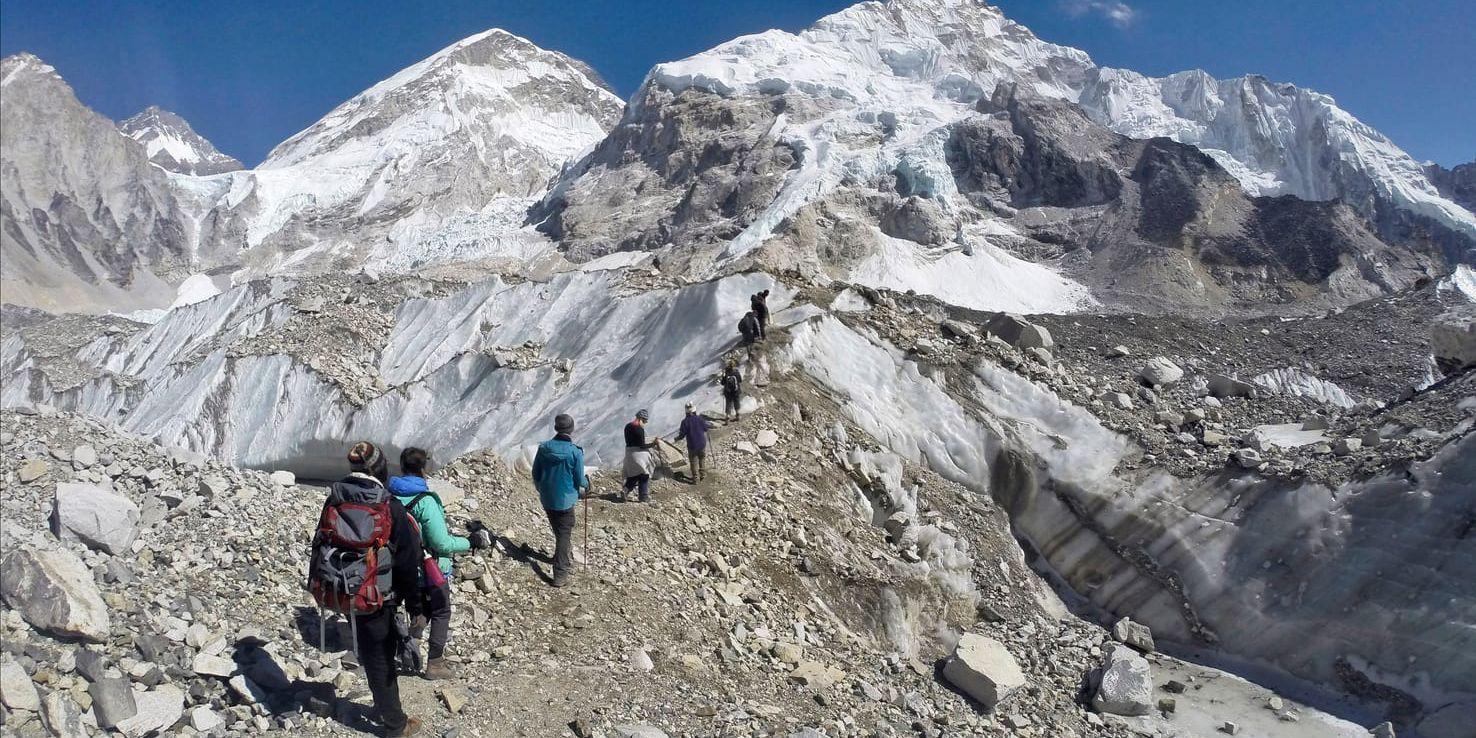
<point x="100" y="518"/>
<point x="17" y="692"/>
<point x="1160" y="372"/>
<point x="1127" y="684"/>
<point x="984" y="669"/>
<point x="55" y="593"/>
<point x="157" y="710"/>
<point x="1019" y="332"/>
<point x="283" y="478"/>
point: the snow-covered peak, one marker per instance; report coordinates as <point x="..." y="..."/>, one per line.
<point x="495" y="83"/>
<point x="955" y="50"/>
<point x="174" y="145"/>
<point x="24" y="66"/>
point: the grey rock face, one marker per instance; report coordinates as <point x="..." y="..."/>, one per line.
<point x="98" y="517"/>
<point x="1453" y="338"/>
<point x="1457" y="183"/>
<point x="173" y="144"/>
<point x="54" y="592"/>
<point x="1127" y="684"/>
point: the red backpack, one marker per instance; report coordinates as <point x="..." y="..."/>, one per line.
<point x="351" y="567"/>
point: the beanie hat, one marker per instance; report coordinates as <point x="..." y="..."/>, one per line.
<point x="364" y="456"/>
<point x="563" y="423"/>
<point x="691" y="407"/>
<point x="642" y="414"/>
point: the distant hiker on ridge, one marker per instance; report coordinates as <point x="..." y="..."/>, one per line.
<point x="732" y="383"/>
<point x="694" y="429"/>
<point x="366" y="560"/>
<point x="759" y="302"/>
<point x="750" y="328"/>
<point x="639" y="462"/>
<point x="427" y="509"/>
<point x="558" y="473"/>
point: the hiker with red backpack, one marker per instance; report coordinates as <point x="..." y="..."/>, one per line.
<point x="426" y="509"/>
<point x="366" y="561"/>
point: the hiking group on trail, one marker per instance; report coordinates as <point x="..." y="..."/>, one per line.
<point x="383" y="543"/>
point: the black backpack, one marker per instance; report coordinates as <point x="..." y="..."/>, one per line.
<point x="730" y="383"/>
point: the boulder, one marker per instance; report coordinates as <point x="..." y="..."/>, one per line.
<point x="112" y="701"/>
<point x="1118" y="352"/>
<point x="984" y="669"/>
<point x="1160" y="372"/>
<point x="32" y="470"/>
<point x="1453" y="339"/>
<point x="203" y="719"/>
<point x="157" y="710"/>
<point x="84" y="456"/>
<point x="639" y="731"/>
<point x="1126" y="687"/>
<point x="1117" y="399"/>
<point x="283" y="478"/>
<point x="1133" y="634"/>
<point x="17" y="691"/>
<point x="1248" y="458"/>
<point x="61" y="715"/>
<point x="54" y="592"/>
<point x="99" y="517"/>
<point x="957" y="329"/>
<point x="1347" y="446"/>
<point x="1221" y="386"/>
<point x="766" y="438"/>
<point x="215" y="666"/>
<point x="1019" y="332"/>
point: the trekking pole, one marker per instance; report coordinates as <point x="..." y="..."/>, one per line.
<point x="586" y="531"/>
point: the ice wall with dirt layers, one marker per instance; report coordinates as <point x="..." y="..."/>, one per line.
<point x="1324" y="584"/>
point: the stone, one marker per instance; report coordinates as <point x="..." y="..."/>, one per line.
<point x="1133" y="634"/>
<point x="766" y="439"/>
<point x="1382" y="730"/>
<point x="54" y="592"/>
<point x="1315" y="422"/>
<point x="455" y="698"/>
<point x="112" y="701"/>
<point x="1229" y="728"/>
<point x="639" y="731"/>
<point x="1126" y="687"/>
<point x="17" y="691"/>
<point x="1247" y="458"/>
<point x="1214" y="438"/>
<point x="1167" y="705"/>
<point x="640" y="660"/>
<point x="1118" y="400"/>
<point x="1118" y="352"/>
<point x="158" y="709"/>
<point x="1174" y="686"/>
<point x="1019" y="332"/>
<point x="283" y="478"/>
<point x="203" y="719"/>
<point x="1221" y="386"/>
<point x="1347" y="446"/>
<point x="1453" y="338"/>
<point x="61" y="715"/>
<point x="215" y="666"/>
<point x="1160" y="372"/>
<point x="250" y="692"/>
<point x="815" y="674"/>
<point x="98" y="517"/>
<point x="32" y="470"/>
<point x="1041" y="355"/>
<point x="957" y="329"/>
<point x="984" y="669"/>
<point x="788" y="653"/>
<point x="84" y="457"/>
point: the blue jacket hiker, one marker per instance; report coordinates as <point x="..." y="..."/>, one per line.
<point x="558" y="473"/>
<point x="694" y="428"/>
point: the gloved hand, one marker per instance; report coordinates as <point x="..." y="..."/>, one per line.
<point x="480" y="538"/>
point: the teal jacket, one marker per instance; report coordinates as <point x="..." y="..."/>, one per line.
<point x="558" y="473"/>
<point x="431" y="515"/>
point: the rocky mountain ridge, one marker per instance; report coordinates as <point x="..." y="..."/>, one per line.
<point x="174" y="145"/>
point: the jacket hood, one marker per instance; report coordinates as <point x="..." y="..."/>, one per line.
<point x="408" y="486"/>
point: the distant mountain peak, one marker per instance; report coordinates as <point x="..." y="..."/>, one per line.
<point x="173" y="144"/>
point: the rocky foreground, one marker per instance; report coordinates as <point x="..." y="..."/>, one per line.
<point x="814" y="585"/>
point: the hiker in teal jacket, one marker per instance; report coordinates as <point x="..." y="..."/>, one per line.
<point x="558" y="473"/>
<point x="425" y="506"/>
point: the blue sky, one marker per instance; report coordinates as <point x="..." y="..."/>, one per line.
<point x="249" y="74"/>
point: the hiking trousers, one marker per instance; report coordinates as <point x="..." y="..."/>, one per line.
<point x="730" y="404"/>
<point x="438" y="610"/>
<point x="697" y="460"/>
<point x="643" y="481"/>
<point x="562" y="522"/>
<point x="378" y="642"/>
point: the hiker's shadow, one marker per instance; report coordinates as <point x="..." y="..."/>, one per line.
<point x="525" y="554"/>
<point x="268" y="685"/>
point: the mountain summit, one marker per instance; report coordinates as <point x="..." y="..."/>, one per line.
<point x="174" y="145"/>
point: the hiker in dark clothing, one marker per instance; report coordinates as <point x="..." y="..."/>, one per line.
<point x="732" y="391"/>
<point x="375" y="633"/>
<point x="759" y="302"/>
<point x="694" y="430"/>
<point x="436" y="538"/>
<point x="639" y="462"/>
<point x="558" y="473"/>
<point x="750" y="328"/>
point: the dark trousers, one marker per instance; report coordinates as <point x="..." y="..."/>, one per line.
<point x="697" y="459"/>
<point x="438" y="610"/>
<point x="377" y="645"/>
<point x="562" y="522"/>
<point x="730" y="404"/>
<point x="644" y="482"/>
<point x="763" y="321"/>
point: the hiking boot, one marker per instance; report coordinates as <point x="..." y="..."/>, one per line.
<point x="436" y="669"/>
<point x="412" y="726"/>
<point x="561" y="580"/>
